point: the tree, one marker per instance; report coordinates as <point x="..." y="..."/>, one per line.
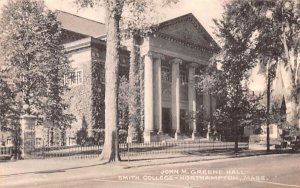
<point x="9" y="112"/>
<point x="276" y="28"/>
<point x="279" y="41"/>
<point x="114" y="10"/>
<point x="235" y="60"/>
<point x="35" y="60"/>
<point x="236" y="107"/>
<point x="6" y="101"/>
<point x="57" y="70"/>
<point x="281" y="28"/>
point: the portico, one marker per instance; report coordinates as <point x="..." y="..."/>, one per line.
<point x="173" y="89"/>
<point x="171" y="60"/>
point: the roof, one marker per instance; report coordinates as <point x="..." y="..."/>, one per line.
<point x="81" y="25"/>
<point x="195" y="21"/>
<point x="96" y="29"/>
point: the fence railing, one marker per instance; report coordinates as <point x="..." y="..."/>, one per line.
<point x="154" y="148"/>
<point x="68" y="151"/>
<point x="131" y="150"/>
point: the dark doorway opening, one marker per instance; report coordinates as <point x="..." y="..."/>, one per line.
<point x="184" y="127"/>
<point x="167" y="120"/>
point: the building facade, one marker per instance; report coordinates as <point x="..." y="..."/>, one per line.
<point x="178" y="50"/>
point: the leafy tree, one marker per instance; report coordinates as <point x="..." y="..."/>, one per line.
<point x="9" y="114"/>
<point x="35" y="60"/>
<point x="279" y="41"/>
<point x="276" y="43"/>
<point x="114" y="10"/>
<point x="57" y="67"/>
<point x="6" y="102"/>
<point x="234" y="61"/>
<point x="236" y="106"/>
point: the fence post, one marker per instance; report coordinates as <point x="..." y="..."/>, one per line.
<point x="43" y="147"/>
<point x="127" y="151"/>
<point x="28" y="135"/>
<point x="199" y="144"/>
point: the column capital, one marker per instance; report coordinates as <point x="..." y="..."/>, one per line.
<point x="153" y="55"/>
<point x="146" y="53"/>
<point x="157" y="55"/>
<point x="176" y="60"/>
<point x="193" y="65"/>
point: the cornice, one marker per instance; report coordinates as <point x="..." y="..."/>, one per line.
<point x="185" y="43"/>
<point x="82" y="43"/>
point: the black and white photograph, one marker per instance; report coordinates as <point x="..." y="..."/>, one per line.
<point x="149" y="93"/>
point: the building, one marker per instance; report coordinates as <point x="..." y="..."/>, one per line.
<point x="172" y="56"/>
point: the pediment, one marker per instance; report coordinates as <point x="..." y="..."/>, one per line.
<point x="187" y="28"/>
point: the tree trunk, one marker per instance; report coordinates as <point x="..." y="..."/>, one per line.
<point x="236" y="135"/>
<point x="110" y="152"/>
<point x="268" y="108"/>
<point x="291" y="95"/>
<point x="134" y="132"/>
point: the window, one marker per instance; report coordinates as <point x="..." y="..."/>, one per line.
<point x="165" y="74"/>
<point x="74" y="78"/>
<point x="11" y="85"/>
<point x="79" y="77"/>
<point x="183" y="77"/>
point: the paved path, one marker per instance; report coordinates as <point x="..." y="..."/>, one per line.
<point x="9" y="168"/>
<point x="65" y="173"/>
<point x="264" y="171"/>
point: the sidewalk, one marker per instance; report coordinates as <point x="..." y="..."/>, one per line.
<point x="23" y="167"/>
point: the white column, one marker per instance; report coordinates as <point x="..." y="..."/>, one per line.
<point x="176" y="97"/>
<point x="157" y="93"/>
<point x="149" y="124"/>
<point x="192" y="100"/>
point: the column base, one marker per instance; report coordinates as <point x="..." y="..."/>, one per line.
<point x="150" y="136"/>
<point x="208" y="136"/>
<point x="179" y="136"/>
<point x="160" y="132"/>
<point x="195" y="136"/>
<point x="161" y="136"/>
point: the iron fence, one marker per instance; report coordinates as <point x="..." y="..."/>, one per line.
<point x="67" y="151"/>
<point x="131" y="150"/>
<point x="184" y="147"/>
